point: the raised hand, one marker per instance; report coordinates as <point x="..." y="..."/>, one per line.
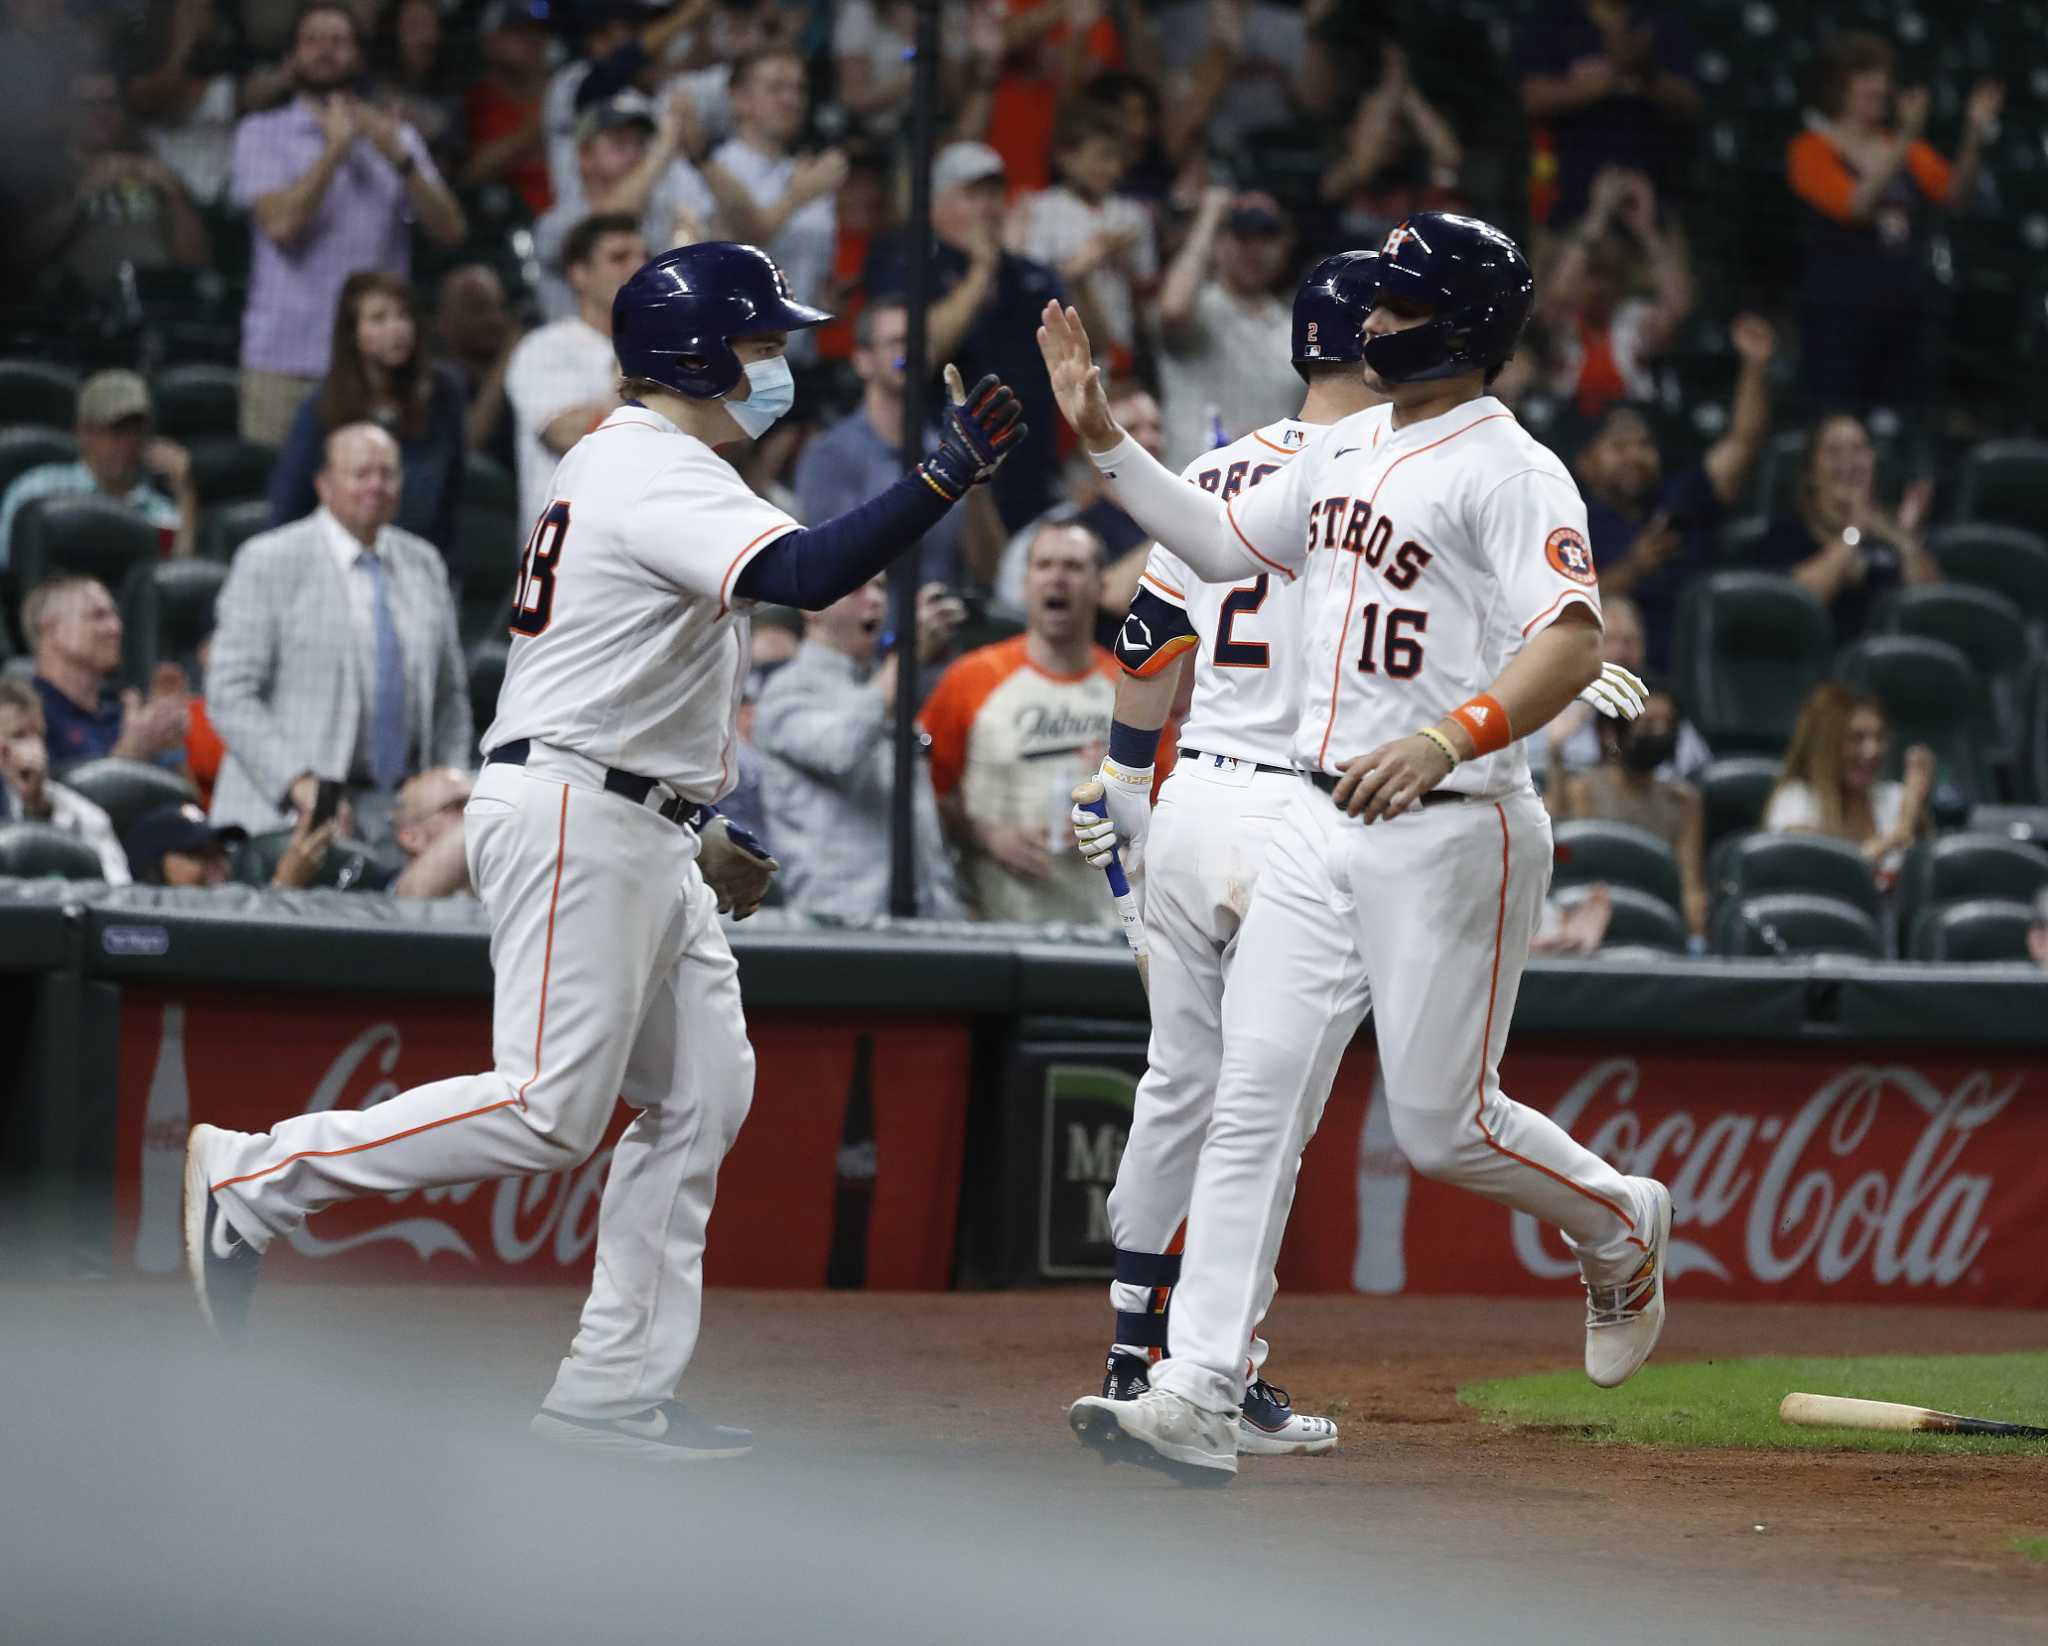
<point x="1755" y="339"/>
<point x="982" y="426"/>
<point x="1076" y="379"/>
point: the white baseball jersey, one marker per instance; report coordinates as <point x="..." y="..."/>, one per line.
<point x="1247" y="698"/>
<point x="1427" y="556"/>
<point x="626" y="648"/>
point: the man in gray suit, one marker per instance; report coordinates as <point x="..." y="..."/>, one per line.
<point x="336" y="653"/>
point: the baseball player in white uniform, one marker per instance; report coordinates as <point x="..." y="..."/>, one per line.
<point x="615" y="733"/>
<point x="1450" y="609"/>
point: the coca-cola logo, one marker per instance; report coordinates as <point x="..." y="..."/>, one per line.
<point x="1815" y="1199"/>
<point x="529" y="1216"/>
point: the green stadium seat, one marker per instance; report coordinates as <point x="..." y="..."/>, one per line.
<point x="486" y="549"/>
<point x="2006" y="559"/>
<point x="36" y="851"/>
<point x="483" y="611"/>
<point x="489" y="483"/>
<point x="1636" y="920"/>
<point x="1754" y="864"/>
<point x="26" y="446"/>
<point x="1984" y="626"/>
<point x="1617" y="854"/>
<point x="1960" y="866"/>
<point x="486" y="663"/>
<point x="2005" y="483"/>
<point x="86" y="534"/>
<point x="1932" y="696"/>
<point x="1750" y="646"/>
<point x="1981" y="929"/>
<point x="2031" y="767"/>
<point x="229" y="469"/>
<point x="1787" y="924"/>
<point x="167" y="610"/>
<point x="195" y="401"/>
<point x="1739" y="539"/>
<point x="225" y="527"/>
<point x="33" y="391"/>
<point x="1733" y="794"/>
<point x="125" y="789"/>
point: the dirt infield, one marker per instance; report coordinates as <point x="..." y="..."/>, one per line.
<point x="928" y="1430"/>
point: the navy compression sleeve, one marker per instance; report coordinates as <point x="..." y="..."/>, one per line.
<point x="813" y="566"/>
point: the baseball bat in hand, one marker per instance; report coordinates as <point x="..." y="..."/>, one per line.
<point x="1840" y="1412"/>
<point x="1088" y="796"/>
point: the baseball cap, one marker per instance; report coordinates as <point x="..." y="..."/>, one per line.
<point x="965" y="163"/>
<point x="513" y="14"/>
<point x="1255" y="212"/>
<point x="110" y="396"/>
<point x="165" y="829"/>
<point x="627" y="108"/>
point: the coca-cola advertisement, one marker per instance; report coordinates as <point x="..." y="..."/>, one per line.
<point x="1876" y="1174"/>
<point x="848" y="1168"/>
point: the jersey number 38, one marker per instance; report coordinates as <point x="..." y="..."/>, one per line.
<point x="533" y="602"/>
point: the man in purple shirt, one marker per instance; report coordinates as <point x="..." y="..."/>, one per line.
<point x="332" y="185"/>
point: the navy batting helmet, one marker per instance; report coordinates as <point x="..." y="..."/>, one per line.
<point x="1330" y="307"/>
<point x="1474" y="281"/>
<point x="673" y="323"/>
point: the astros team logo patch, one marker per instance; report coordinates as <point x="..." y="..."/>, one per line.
<point x="1566" y="551"/>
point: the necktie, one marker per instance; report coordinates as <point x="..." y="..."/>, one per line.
<point x="387" y="687"/>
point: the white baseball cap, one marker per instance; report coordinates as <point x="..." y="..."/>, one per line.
<point x="959" y="163"/>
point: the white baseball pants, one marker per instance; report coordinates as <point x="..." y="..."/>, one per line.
<point x="1439" y="905"/>
<point x="614" y="980"/>
<point x="1202" y="858"/>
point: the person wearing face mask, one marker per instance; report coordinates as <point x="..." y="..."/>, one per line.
<point x="593" y="843"/>
<point x="379" y="374"/>
<point x="1625" y="788"/>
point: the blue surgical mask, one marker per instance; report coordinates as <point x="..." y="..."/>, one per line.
<point x="771" y="394"/>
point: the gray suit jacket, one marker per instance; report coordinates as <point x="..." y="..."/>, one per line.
<point x="282" y="684"/>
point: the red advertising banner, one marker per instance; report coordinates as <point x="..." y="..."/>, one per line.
<point x="1800" y="1174"/>
<point x="849" y="1162"/>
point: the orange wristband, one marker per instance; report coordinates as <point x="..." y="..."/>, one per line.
<point x="1485" y="722"/>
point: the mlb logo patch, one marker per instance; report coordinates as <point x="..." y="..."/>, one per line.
<point x="1568" y="554"/>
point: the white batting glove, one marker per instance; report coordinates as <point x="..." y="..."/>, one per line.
<point x="1617" y="694"/>
<point x="1127" y="797"/>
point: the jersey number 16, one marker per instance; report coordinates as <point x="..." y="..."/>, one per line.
<point x="533" y="602"/>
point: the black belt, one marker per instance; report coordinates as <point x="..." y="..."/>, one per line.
<point x="1256" y="765"/>
<point x="631" y="785"/>
<point x="1435" y="797"/>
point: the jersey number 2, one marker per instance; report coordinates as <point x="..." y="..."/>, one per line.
<point x="1241" y="654"/>
<point x="533" y="603"/>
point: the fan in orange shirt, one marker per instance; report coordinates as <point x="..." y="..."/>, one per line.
<point x="1048" y="48"/>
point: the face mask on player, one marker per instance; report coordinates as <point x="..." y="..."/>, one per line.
<point x="770" y="395"/>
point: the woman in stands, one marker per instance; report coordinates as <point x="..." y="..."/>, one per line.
<point x="1840" y="544"/>
<point x="1831" y="783"/>
<point x="380" y="374"/>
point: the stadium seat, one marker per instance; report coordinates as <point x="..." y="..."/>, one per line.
<point x="168" y="609"/>
<point x="87" y="534"/>
<point x="125" y="789"/>
<point x="226" y="527"/>
<point x="489" y="484"/>
<point x="1750" y="646"/>
<point x="1785" y="924"/>
<point x="1733" y="794"/>
<point x="1759" y="863"/>
<point x="486" y="548"/>
<point x="33" y="851"/>
<point x="1983" y="625"/>
<point x="1636" y="920"/>
<point x="196" y="401"/>
<point x="2005" y="483"/>
<point x="1956" y="867"/>
<point x="349" y="866"/>
<point x="2031" y="767"/>
<point x="1981" y="929"/>
<point x="1618" y="854"/>
<point x="32" y="391"/>
<point x="1739" y="539"/>
<point x="2012" y="562"/>
<point x="482" y="612"/>
<point x="1932" y="696"/>
<point x="26" y="446"/>
<point x="228" y="469"/>
<point x="486" y="675"/>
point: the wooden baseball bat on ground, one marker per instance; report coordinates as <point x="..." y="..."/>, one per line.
<point x="1841" y="1412"/>
<point x="1088" y="796"/>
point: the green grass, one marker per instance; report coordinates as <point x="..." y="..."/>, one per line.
<point x="1735" y="1402"/>
<point x="2034" y="1548"/>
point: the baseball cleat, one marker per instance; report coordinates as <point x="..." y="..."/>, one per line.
<point x="1161" y="1431"/>
<point x="1269" y="1426"/>
<point x="667" y="1433"/>
<point x="1623" y="1321"/>
<point x="222" y="1265"/>
<point x="1127" y="1376"/>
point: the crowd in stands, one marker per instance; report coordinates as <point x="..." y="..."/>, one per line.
<point x="307" y="299"/>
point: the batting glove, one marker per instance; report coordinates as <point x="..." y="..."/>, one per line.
<point x="979" y="432"/>
<point x="1127" y="802"/>
<point x="1617" y="694"/>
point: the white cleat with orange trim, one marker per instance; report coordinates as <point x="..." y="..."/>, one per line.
<point x="1625" y="1319"/>
<point x="221" y="1265"/>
